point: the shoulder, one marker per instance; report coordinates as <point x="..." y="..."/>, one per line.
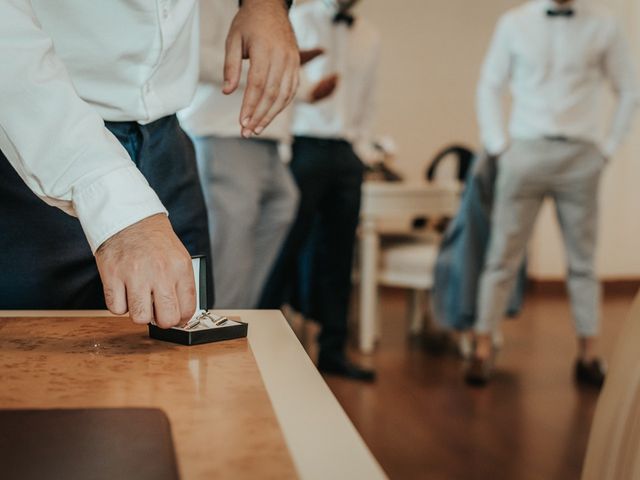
<point x="597" y="10"/>
<point x="516" y="16"/>
<point x="601" y="14"/>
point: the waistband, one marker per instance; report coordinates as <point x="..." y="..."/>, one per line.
<point x="130" y="127"/>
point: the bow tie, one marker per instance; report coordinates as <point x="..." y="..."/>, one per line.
<point x="561" y="13"/>
<point x="345" y="18"/>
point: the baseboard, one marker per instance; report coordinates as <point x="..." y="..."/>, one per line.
<point x="627" y="286"/>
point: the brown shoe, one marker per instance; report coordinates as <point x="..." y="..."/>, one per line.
<point x="478" y="372"/>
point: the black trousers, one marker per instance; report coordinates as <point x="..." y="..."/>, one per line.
<point x="45" y="260"/>
<point x="329" y="176"/>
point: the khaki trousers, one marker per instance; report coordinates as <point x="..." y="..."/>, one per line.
<point x="567" y="171"/>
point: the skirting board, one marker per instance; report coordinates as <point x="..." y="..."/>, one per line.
<point x="626" y="286"/>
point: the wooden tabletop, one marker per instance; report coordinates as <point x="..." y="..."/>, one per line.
<point x="260" y="400"/>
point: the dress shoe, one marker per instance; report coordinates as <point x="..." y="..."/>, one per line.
<point x="339" y="365"/>
<point x="590" y="373"/>
<point x="478" y="371"/>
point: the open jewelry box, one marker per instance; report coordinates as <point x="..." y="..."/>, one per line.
<point x="204" y="326"/>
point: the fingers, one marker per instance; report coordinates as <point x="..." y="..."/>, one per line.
<point x="287" y="87"/>
<point x="186" y="292"/>
<point x="256" y="85"/>
<point x="140" y="304"/>
<point x="146" y="270"/>
<point x="166" y="307"/>
<point x="232" y="62"/>
<point x="115" y="296"/>
<point x="277" y="92"/>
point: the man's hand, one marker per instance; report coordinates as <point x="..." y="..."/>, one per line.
<point x="146" y="271"/>
<point x="324" y="88"/>
<point x="307" y="55"/>
<point x="262" y="33"/>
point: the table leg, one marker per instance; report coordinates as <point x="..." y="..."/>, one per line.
<point x="368" y="286"/>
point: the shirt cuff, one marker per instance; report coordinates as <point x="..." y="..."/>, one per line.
<point x="608" y="149"/>
<point x="496" y="146"/>
<point x="114" y="202"/>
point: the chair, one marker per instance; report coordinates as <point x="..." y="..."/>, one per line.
<point x="406" y="260"/>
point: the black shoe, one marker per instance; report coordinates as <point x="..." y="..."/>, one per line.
<point x="478" y="372"/>
<point x="590" y="373"/>
<point x="339" y="365"/>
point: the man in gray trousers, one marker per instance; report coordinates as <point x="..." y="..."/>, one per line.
<point x="555" y="56"/>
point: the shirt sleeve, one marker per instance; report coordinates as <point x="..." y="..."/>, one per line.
<point x="494" y="77"/>
<point x="619" y="67"/>
<point x="56" y="142"/>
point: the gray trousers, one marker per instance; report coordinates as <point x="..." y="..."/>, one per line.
<point x="569" y="173"/>
<point x="252" y="200"/>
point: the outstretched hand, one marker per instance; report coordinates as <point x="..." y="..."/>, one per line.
<point x="307" y="55"/>
<point x="261" y="32"/>
<point x="324" y="88"/>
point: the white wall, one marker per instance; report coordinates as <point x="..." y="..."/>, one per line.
<point x="430" y="62"/>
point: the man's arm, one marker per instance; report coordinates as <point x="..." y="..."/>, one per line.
<point x="619" y="67"/>
<point x="493" y="80"/>
<point x="262" y="33"/>
<point x="59" y="146"/>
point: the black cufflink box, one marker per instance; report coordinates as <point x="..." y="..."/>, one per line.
<point x="230" y="329"/>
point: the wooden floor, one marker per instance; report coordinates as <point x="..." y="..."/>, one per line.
<point x="422" y="422"/>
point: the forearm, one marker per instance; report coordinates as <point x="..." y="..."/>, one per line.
<point x="490" y="118"/>
<point x="55" y="141"/>
<point x="621" y="123"/>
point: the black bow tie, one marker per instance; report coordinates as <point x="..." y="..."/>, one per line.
<point x="561" y="13"/>
<point x="345" y="18"/>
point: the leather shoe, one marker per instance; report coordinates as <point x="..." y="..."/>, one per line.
<point x="478" y="372"/>
<point x="340" y="366"/>
<point x="590" y="373"/>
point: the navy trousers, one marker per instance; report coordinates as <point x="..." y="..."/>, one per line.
<point x="329" y="176"/>
<point x="45" y="260"/>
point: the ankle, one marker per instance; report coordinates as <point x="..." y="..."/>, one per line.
<point x="587" y="349"/>
<point x="484" y="347"/>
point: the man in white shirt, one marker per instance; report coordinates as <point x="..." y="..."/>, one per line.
<point x="70" y="66"/>
<point x="250" y="194"/>
<point x="328" y="171"/>
<point x="555" y="56"/>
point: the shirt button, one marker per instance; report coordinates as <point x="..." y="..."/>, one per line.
<point x="165" y="12"/>
<point x="147" y="88"/>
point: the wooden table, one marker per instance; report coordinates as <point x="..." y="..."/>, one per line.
<point x="386" y="200"/>
<point x="260" y="400"/>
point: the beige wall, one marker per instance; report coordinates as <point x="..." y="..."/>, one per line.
<point x="430" y="62"/>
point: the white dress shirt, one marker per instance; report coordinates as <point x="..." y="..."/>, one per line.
<point x="67" y="65"/>
<point x="353" y="53"/>
<point x="556" y="68"/>
<point x="212" y="112"/>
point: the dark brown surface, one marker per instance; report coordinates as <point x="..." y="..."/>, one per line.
<point x="86" y="443"/>
<point x="532" y="423"/>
